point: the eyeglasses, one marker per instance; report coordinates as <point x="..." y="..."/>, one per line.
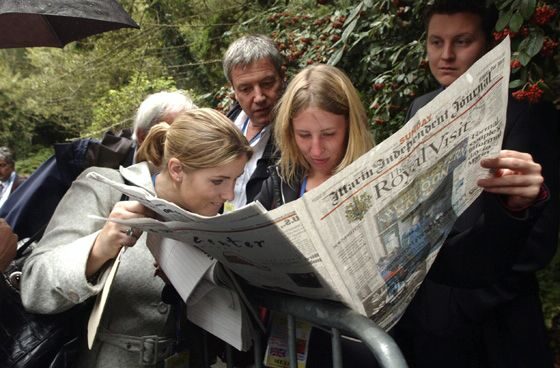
<point x="4" y="164"/>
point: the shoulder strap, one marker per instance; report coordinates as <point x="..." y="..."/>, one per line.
<point x="35" y="237"/>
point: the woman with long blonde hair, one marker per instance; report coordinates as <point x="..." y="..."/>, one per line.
<point x="320" y="128"/>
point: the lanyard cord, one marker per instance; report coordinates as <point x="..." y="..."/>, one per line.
<point x="245" y="128"/>
<point x="303" y="186"/>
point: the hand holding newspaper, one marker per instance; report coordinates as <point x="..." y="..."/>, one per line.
<point x="367" y="236"/>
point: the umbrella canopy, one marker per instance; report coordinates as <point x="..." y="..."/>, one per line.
<point x="27" y="23"/>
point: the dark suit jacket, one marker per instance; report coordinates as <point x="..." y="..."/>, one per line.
<point x="17" y="182"/>
<point x="491" y="317"/>
<point x="29" y="209"/>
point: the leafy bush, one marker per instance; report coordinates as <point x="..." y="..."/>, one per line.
<point x="380" y="46"/>
<point x="115" y="109"/>
<point x="35" y="158"/>
<point x="534" y="29"/>
<point x="385" y="37"/>
<point x="376" y="43"/>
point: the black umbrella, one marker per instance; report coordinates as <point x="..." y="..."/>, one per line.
<point x="27" y="23"/>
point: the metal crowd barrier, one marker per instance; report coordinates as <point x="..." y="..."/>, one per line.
<point x="334" y="316"/>
<point x="328" y="314"/>
<point x="338" y="318"/>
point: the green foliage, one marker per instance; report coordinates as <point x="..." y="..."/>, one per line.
<point x="203" y="33"/>
<point x="376" y="43"/>
<point x="391" y="69"/>
<point x="37" y="155"/>
<point x="384" y="37"/>
<point x="534" y="29"/>
<point x="303" y="34"/>
<point x="50" y="94"/>
<point x="14" y="120"/>
<point x="379" y="44"/>
<point x="115" y="109"/>
<point x="54" y="91"/>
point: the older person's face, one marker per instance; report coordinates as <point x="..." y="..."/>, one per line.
<point x="257" y="88"/>
<point x="6" y="170"/>
<point x="455" y="42"/>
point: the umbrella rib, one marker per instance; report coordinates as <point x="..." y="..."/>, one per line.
<point x="53" y="31"/>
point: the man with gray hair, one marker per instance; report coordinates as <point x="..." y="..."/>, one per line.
<point x="159" y="107"/>
<point x="32" y="206"/>
<point x="9" y="179"/>
<point x="253" y="66"/>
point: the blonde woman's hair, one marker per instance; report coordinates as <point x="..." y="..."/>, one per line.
<point x="327" y="88"/>
<point x="199" y="139"/>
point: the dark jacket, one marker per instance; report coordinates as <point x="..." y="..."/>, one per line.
<point x="269" y="157"/>
<point x="17" y="182"/>
<point x="29" y="209"/>
<point x="276" y="192"/>
<point x="499" y="323"/>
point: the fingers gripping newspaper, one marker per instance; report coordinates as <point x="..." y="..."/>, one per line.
<point x="367" y="236"/>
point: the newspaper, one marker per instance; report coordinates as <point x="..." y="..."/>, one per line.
<point x="201" y="285"/>
<point x="367" y="236"/>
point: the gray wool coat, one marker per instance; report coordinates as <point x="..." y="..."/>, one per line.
<point x="54" y="275"/>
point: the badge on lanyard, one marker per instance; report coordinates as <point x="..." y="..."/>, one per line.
<point x="228" y="207"/>
<point x="277" y="350"/>
<point x="256" y="137"/>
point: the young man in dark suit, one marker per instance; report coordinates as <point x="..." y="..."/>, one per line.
<point x="488" y="317"/>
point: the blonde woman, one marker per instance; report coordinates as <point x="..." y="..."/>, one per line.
<point x="320" y="128"/>
<point x="193" y="163"/>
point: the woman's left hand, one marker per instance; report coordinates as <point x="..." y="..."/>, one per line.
<point x="515" y="176"/>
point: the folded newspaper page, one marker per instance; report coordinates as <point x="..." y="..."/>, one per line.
<point x="199" y="284"/>
<point x="367" y="236"/>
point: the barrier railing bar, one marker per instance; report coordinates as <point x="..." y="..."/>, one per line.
<point x="336" y="348"/>
<point x="335" y="315"/>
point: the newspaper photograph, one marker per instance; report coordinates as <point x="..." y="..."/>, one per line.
<point x="367" y="236"/>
